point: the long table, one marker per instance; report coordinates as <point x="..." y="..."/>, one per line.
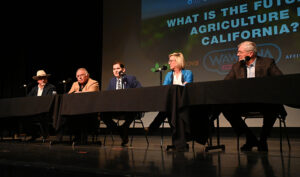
<point x="279" y="90"/>
<point x="26" y="106"/>
<point x="174" y="99"/>
<point x="270" y="90"/>
<point x="159" y="98"/>
<point x="15" y="111"/>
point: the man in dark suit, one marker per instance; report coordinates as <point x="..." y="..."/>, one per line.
<point x="121" y="81"/>
<point x="249" y="66"/>
<point x="43" y="88"/>
<point x="38" y="125"/>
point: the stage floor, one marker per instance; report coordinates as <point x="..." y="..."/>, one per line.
<point x="42" y="159"/>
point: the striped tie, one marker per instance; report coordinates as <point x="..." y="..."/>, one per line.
<point x="119" y="84"/>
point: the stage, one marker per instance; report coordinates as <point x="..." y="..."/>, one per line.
<point x="42" y="159"/>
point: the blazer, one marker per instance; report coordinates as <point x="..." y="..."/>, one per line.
<point x="128" y="82"/>
<point x="90" y="86"/>
<point x="263" y="67"/>
<point x="187" y="76"/>
<point x="48" y="90"/>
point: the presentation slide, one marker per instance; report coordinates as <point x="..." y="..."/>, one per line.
<point x="208" y="32"/>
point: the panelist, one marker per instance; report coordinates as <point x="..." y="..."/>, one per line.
<point x="250" y="65"/>
<point x="43" y="88"/>
<point x="84" y="83"/>
<point x="79" y="124"/>
<point x="121" y="81"/>
<point x="177" y="76"/>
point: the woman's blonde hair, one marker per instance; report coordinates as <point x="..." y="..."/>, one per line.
<point x="179" y="59"/>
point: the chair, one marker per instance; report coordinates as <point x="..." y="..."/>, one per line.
<point x="9" y="128"/>
<point x="36" y="126"/>
<point x="162" y="132"/>
<point x="138" y="120"/>
<point x="281" y="116"/>
<point x="111" y="132"/>
<point x="162" y="135"/>
<point x="193" y="140"/>
<point x="81" y="126"/>
<point x="213" y="117"/>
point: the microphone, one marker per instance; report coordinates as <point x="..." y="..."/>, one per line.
<point x="243" y="61"/>
<point x="163" y="68"/>
<point x="65" y="81"/>
<point x="26" y="85"/>
<point x="121" y="73"/>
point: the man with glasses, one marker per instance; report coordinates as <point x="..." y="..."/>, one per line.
<point x="251" y="65"/>
<point x="84" y="83"/>
<point x="82" y="123"/>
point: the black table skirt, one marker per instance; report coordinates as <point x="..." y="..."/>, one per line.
<point x="26" y="106"/>
<point x="269" y="90"/>
<point x="173" y="99"/>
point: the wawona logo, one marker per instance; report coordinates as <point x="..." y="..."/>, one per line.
<point x="220" y="61"/>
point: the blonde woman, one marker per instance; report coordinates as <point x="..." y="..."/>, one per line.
<point x="177" y="76"/>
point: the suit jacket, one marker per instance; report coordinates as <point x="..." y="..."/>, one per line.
<point x="48" y="90"/>
<point x="90" y="86"/>
<point x="187" y="76"/>
<point x="128" y="82"/>
<point x="263" y="67"/>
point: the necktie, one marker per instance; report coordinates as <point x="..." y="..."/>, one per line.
<point x="119" y="84"/>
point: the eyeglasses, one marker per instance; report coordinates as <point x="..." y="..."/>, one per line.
<point x="81" y="75"/>
<point x="240" y="52"/>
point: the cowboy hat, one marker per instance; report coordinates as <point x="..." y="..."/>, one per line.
<point x="39" y="74"/>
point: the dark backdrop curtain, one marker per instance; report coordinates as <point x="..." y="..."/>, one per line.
<point x="57" y="36"/>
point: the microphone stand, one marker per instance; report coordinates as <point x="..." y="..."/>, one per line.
<point x="26" y="89"/>
<point x="160" y="77"/>
<point x="160" y="73"/>
<point x="122" y="82"/>
<point x="65" y="82"/>
<point x="65" y="86"/>
<point x="163" y="68"/>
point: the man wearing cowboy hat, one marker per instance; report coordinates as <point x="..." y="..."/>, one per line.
<point x="43" y="88"/>
<point x="38" y="125"/>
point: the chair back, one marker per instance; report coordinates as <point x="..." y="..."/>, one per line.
<point x="140" y="115"/>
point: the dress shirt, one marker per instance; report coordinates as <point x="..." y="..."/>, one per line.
<point x="177" y="80"/>
<point x="40" y="91"/>
<point x="251" y="70"/>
